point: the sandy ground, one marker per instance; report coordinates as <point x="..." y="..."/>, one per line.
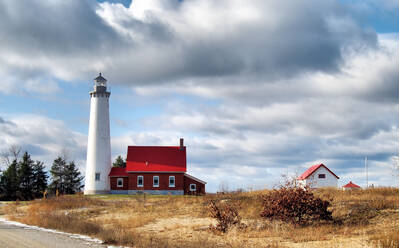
<point x="13" y="236"/>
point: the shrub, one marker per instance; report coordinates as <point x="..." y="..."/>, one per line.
<point x="226" y="215"/>
<point x="295" y="205"/>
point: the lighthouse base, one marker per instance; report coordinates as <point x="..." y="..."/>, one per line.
<point x="96" y="192"/>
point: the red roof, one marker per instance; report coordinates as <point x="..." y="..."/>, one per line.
<point x="312" y="169"/>
<point x="156" y="159"/>
<point x="351" y="185"/>
<point x="118" y="172"/>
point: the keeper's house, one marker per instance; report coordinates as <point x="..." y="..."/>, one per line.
<point x="158" y="170"/>
<point x="318" y="176"/>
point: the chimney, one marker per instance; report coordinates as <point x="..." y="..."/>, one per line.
<point x="181" y="143"/>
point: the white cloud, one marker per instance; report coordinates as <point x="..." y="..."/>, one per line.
<point x="42" y="137"/>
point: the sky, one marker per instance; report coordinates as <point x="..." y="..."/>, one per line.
<point x="257" y="89"/>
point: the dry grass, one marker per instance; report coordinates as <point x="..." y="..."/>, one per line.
<point x="388" y="239"/>
<point x="362" y="218"/>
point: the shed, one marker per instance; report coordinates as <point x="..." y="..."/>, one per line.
<point x="351" y="186"/>
<point x="318" y="176"/>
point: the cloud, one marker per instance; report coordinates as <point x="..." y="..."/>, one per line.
<point x="5" y="122"/>
<point x="336" y="118"/>
<point x="369" y="75"/>
<point x="53" y="39"/>
<point x="42" y="137"/>
<point x="224" y="38"/>
<point x="160" y="41"/>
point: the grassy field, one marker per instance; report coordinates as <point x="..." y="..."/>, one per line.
<point x="364" y="218"/>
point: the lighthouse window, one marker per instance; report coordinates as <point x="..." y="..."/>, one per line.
<point x="119" y="182"/>
<point x="97" y="176"/>
<point x="171" y="181"/>
<point x="140" y="181"/>
<point x="156" y="181"/>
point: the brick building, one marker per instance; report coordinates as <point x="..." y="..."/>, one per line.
<point x="155" y="170"/>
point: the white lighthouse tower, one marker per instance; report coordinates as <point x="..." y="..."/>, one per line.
<point x="98" y="163"/>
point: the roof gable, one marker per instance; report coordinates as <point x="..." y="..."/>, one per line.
<point x="118" y="172"/>
<point x="312" y="170"/>
<point x="194" y="178"/>
<point x="351" y="185"/>
<point x="156" y="159"/>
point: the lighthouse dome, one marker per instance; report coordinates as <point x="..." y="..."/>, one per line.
<point x="100" y="80"/>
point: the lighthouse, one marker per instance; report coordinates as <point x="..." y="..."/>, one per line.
<point x="98" y="163"/>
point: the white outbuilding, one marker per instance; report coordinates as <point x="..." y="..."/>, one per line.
<point x="318" y="176"/>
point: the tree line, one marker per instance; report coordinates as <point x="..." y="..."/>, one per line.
<point x="25" y="179"/>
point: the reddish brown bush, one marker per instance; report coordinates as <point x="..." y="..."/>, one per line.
<point x="226" y="215"/>
<point x="295" y="205"/>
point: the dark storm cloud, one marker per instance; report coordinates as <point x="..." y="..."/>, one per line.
<point x="54" y="39"/>
<point x="275" y="41"/>
<point x="55" y="28"/>
<point x="306" y="37"/>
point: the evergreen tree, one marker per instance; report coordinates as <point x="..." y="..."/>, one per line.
<point x="65" y="177"/>
<point x="56" y="172"/>
<point x="119" y="162"/>
<point x="1" y="185"/>
<point x="72" y="178"/>
<point x="9" y="181"/>
<point x="39" y="179"/>
<point x="26" y="177"/>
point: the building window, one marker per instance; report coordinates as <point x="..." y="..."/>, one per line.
<point x="155" y="181"/>
<point x="322" y="175"/>
<point x="171" y="181"/>
<point x="140" y="181"/>
<point x="119" y="182"/>
<point x="97" y="176"/>
<point x="193" y="187"/>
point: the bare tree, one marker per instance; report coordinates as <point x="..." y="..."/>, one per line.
<point x="12" y="153"/>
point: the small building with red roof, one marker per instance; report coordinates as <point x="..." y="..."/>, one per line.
<point x="318" y="176"/>
<point x="157" y="170"/>
<point x="351" y="186"/>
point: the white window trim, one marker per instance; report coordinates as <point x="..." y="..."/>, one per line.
<point x="99" y="176"/>
<point x="195" y="187"/>
<point x="142" y="180"/>
<point x="153" y="181"/>
<point x="174" y="182"/>
<point x="119" y="179"/>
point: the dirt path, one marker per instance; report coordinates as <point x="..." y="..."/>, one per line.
<point x="14" y="236"/>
